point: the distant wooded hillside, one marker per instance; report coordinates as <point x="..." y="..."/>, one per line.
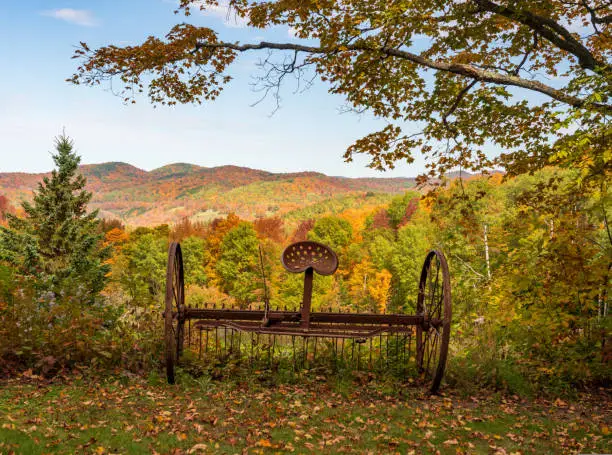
<point x="179" y="190"/>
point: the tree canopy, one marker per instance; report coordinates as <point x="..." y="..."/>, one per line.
<point x="456" y="80"/>
<point x="237" y="264"/>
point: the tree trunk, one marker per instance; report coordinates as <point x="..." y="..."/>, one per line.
<point x="486" y="245"/>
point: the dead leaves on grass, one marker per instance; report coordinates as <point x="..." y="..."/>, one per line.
<point x="285" y="419"/>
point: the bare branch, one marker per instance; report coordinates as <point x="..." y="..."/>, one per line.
<point x="593" y="15"/>
<point x="455" y="105"/>
<point x="274" y="75"/>
<point x="468" y="266"/>
<point x="462" y="69"/>
<point x="526" y="56"/>
<point x="604" y="20"/>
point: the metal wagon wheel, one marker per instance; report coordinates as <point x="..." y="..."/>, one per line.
<point x="174" y="316"/>
<point x="434" y="303"/>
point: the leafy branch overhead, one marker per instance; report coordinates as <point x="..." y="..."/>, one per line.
<point x="456" y="80"/>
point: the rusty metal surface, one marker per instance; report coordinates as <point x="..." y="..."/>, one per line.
<point x="434" y="303"/>
<point x="315" y="330"/>
<point x="430" y="327"/>
<point x="309" y="257"/>
<point x="300" y="256"/>
<point x="344" y="318"/>
<point x="174" y="314"/>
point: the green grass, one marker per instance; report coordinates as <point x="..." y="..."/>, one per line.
<point x="311" y="414"/>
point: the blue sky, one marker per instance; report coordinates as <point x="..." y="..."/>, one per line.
<point x="37" y="39"/>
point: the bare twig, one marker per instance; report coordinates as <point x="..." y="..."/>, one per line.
<point x="462" y="69"/>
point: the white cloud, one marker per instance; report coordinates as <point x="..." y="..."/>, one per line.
<point x="74" y="16"/>
<point x="223" y="12"/>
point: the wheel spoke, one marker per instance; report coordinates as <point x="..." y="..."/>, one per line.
<point x="434" y="348"/>
<point x="430" y="351"/>
<point x="435" y="289"/>
<point x="432" y="290"/>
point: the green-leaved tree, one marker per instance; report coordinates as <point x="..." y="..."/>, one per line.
<point x="57" y="247"/>
<point x="237" y="266"/>
<point x="332" y="231"/>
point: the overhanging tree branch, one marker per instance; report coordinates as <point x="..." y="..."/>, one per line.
<point x="455" y="105"/>
<point x="461" y="69"/>
<point x="549" y="29"/>
<point x="604" y="20"/>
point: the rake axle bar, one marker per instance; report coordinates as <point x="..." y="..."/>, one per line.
<point x="334" y="330"/>
<point x="276" y="317"/>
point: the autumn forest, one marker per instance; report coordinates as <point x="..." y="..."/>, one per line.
<point x="157" y="311"/>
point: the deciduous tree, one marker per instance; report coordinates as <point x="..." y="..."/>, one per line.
<point x="141" y="268"/>
<point x="237" y="266"/>
<point x="452" y="78"/>
<point x="271" y="228"/>
<point x="5" y="207"/>
<point x="332" y="231"/>
<point x="301" y="232"/>
<point x="195" y="257"/>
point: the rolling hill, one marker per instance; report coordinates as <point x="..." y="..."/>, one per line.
<point x="169" y="193"/>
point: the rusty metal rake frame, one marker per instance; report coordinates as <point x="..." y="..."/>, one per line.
<point x="432" y="321"/>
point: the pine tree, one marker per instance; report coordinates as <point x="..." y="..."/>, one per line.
<point x="57" y="246"/>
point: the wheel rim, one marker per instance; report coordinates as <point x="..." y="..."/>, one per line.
<point x="434" y="304"/>
<point x="174" y="317"/>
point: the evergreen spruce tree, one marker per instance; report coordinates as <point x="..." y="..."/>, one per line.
<point x="57" y="246"/>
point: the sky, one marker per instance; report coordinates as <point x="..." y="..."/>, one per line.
<point x="37" y="40"/>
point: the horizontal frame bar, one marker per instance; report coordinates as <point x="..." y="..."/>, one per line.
<point x="314" y="330"/>
<point x="276" y="317"/>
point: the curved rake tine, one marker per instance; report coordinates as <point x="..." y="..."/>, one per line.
<point x="269" y="354"/>
<point x="217" y="342"/>
<point x="252" y="347"/>
<point x="200" y="346"/>
<point x="293" y="344"/>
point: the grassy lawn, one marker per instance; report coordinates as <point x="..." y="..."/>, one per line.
<point x="133" y="415"/>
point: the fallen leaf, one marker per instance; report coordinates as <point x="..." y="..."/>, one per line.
<point x="197" y="447"/>
<point x="264" y="443"/>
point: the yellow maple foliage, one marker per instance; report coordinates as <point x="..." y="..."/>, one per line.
<point x="380" y="288"/>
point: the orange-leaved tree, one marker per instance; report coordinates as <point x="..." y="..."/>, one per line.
<point x="453" y="79"/>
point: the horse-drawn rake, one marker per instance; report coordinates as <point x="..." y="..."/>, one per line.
<point x="422" y="338"/>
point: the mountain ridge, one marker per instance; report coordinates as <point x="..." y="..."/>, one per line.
<point x="177" y="190"/>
